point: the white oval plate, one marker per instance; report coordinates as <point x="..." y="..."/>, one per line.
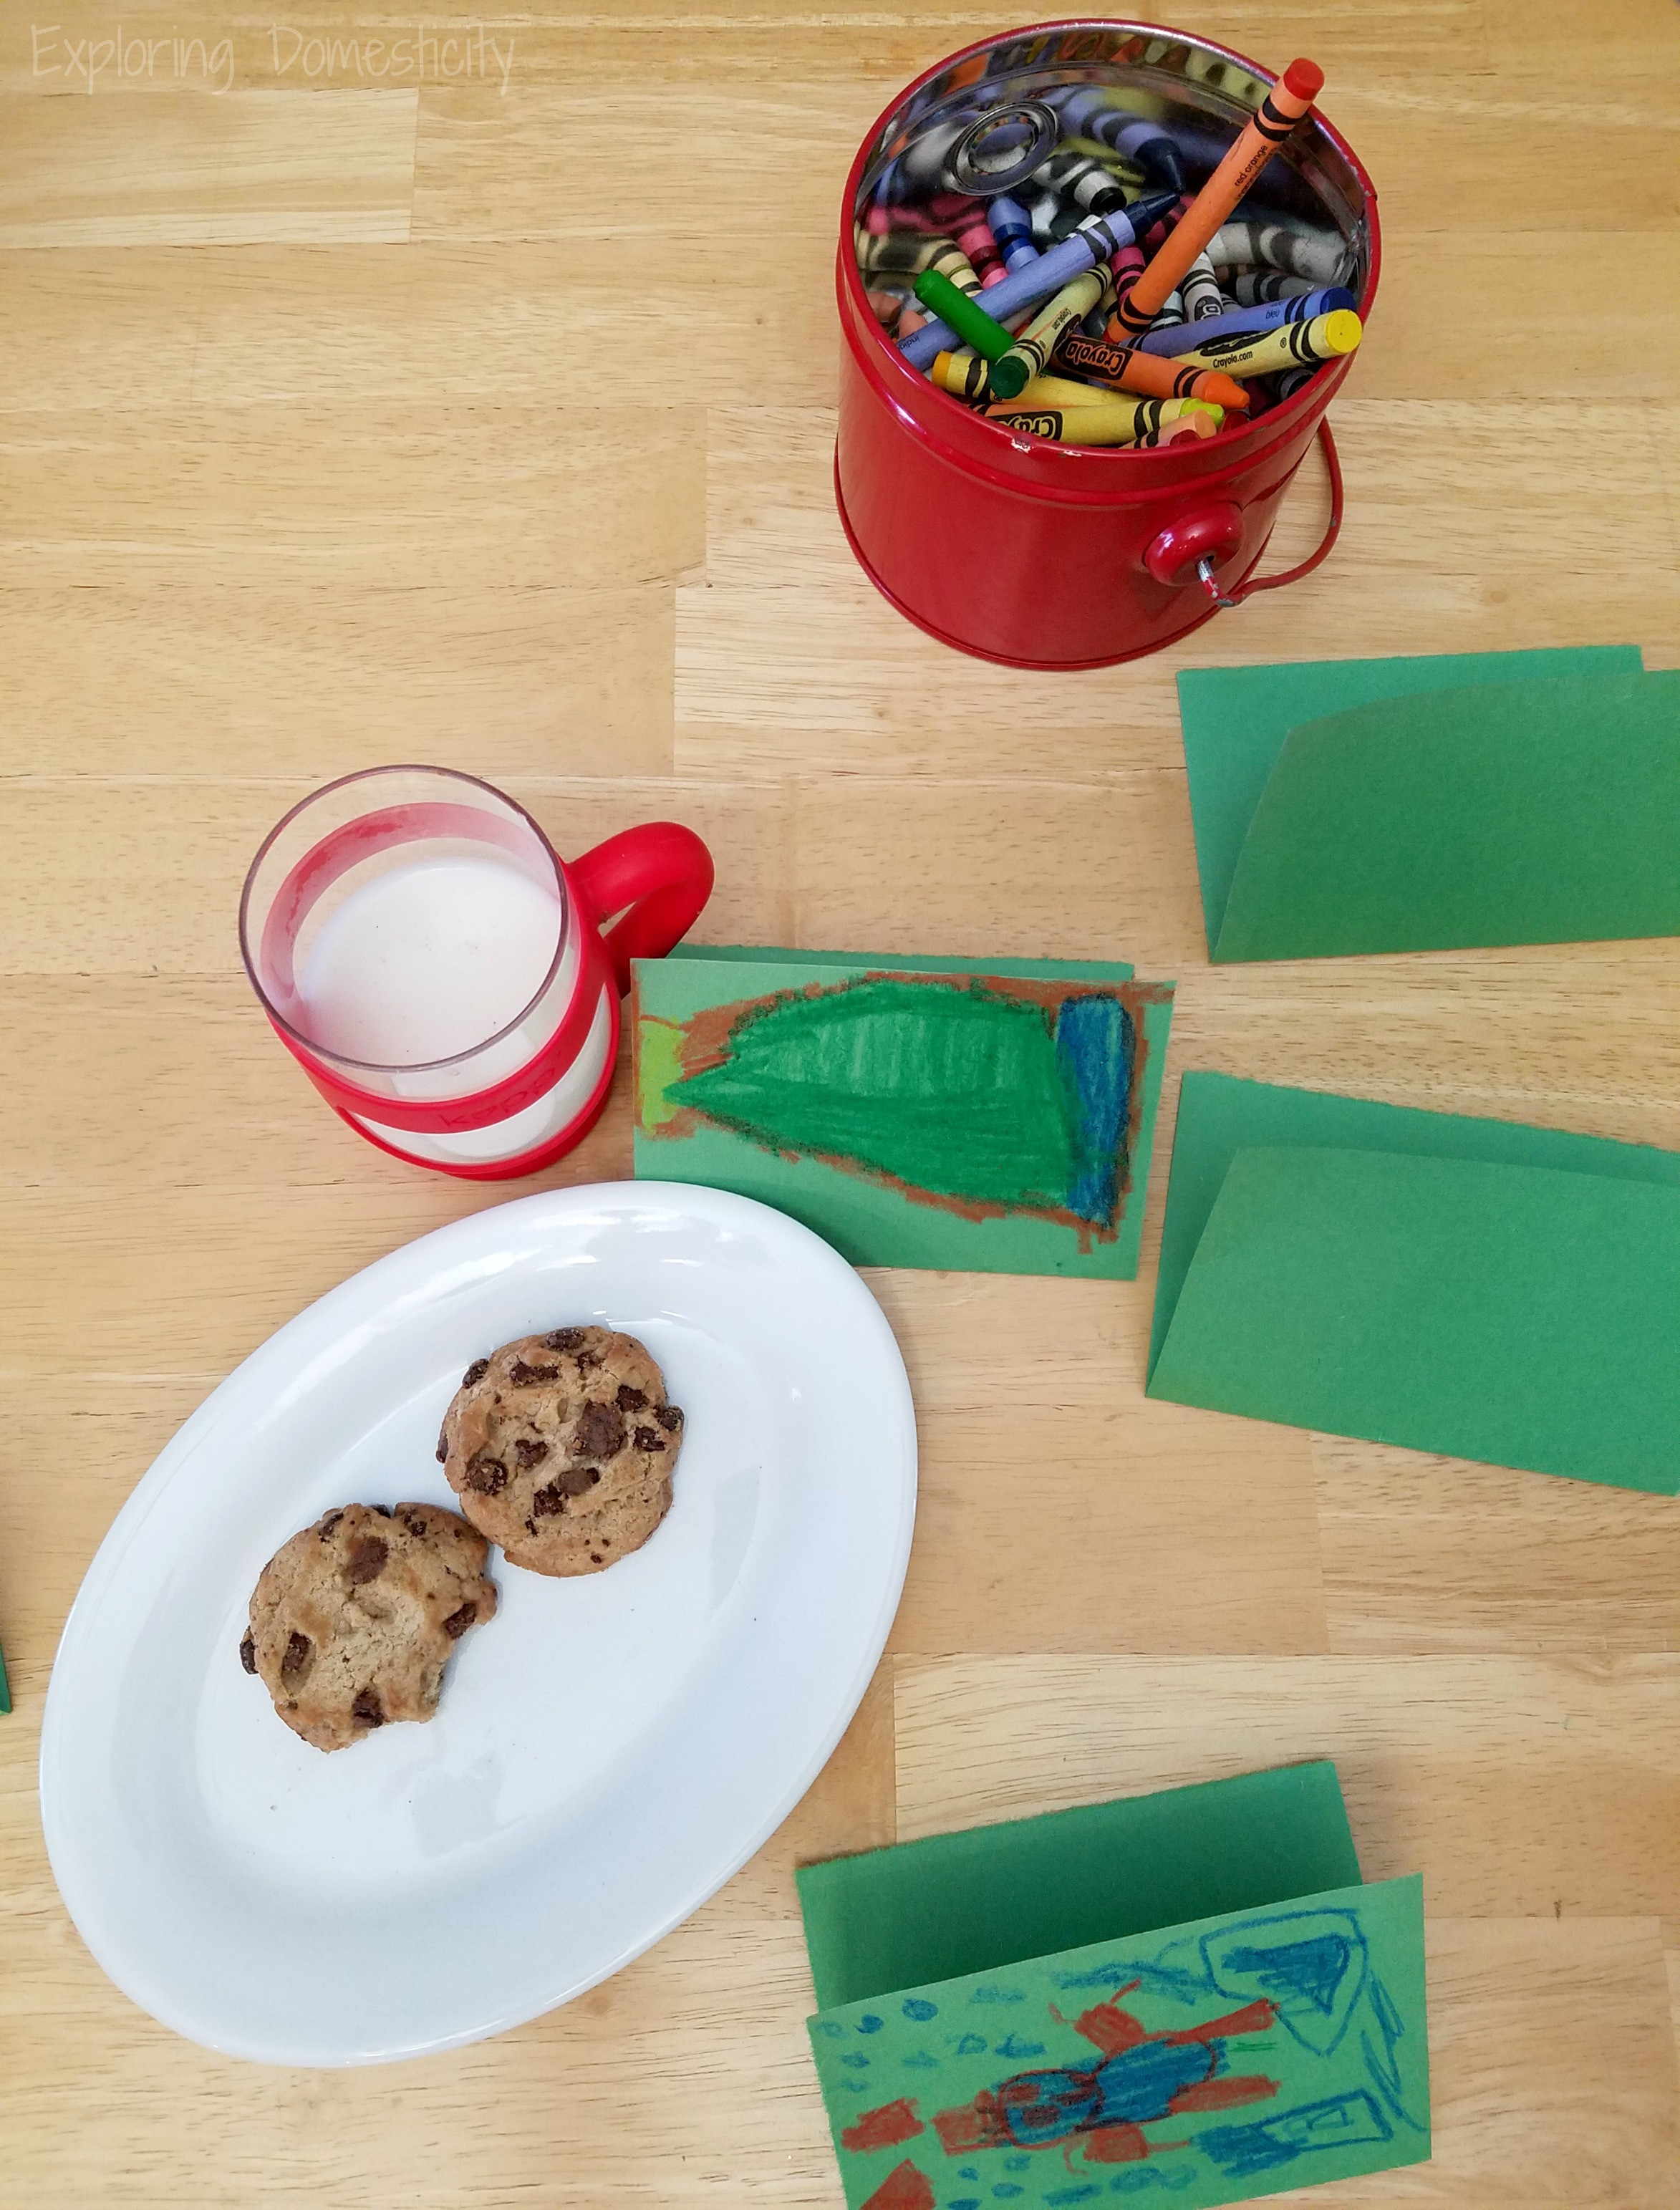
<point x="608" y="1750"/>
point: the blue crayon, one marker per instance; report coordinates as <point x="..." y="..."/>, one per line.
<point x="1011" y="227"/>
<point x="1088" y="113"/>
<point x="1026" y="286"/>
<point x="1242" y="322"/>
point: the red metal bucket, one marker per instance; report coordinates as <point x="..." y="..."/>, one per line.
<point x="1043" y="555"/>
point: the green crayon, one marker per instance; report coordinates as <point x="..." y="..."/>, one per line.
<point x="1029" y="353"/>
<point x="971" y="322"/>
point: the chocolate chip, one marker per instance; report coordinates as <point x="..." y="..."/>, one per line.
<point x="631" y="1400"/>
<point x="648" y="1439"/>
<point x="442" y="1446"/>
<point x="595" y="1558"/>
<point x="367" y="1708"/>
<point x="248" y="1655"/>
<point x="383" y="1510"/>
<point x="529" y="1453"/>
<point x="564" y="1338"/>
<point x="530" y="1526"/>
<point x="599" y="1432"/>
<point x="586" y="1359"/>
<point x="475" y="1372"/>
<point x="576" y="1480"/>
<point x="415" y="1522"/>
<point x="328" y="1523"/>
<point x="459" y="1621"/>
<point x="488" y="1476"/>
<point x="548" y="1501"/>
<point x="522" y="1373"/>
<point x="669" y="1418"/>
<point x="368" y="1554"/>
<point x="298" y="1651"/>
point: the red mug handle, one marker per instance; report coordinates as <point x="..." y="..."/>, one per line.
<point x="662" y="873"/>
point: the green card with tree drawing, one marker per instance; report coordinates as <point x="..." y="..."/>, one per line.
<point x="1205" y="2063"/>
<point x="995" y="1116"/>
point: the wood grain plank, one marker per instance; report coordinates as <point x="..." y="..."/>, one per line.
<point x="1543" y="1787"/>
<point x="459" y="496"/>
<point x="205" y="169"/>
<point x="314" y="680"/>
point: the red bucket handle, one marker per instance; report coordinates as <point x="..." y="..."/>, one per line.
<point x="662" y="873"/>
<point x="1333" y="530"/>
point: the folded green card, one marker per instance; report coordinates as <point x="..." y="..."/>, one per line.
<point x="994" y="1115"/>
<point x="1268" y="2033"/>
<point x="1478" y="1288"/>
<point x="1418" y="804"/>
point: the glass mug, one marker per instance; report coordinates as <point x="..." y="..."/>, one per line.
<point x="442" y="975"/>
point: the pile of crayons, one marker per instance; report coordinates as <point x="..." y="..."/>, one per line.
<point x="1096" y="300"/>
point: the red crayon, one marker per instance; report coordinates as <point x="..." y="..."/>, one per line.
<point x="1284" y="106"/>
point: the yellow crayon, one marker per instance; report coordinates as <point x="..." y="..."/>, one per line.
<point x="1097" y="418"/>
<point x="964" y="375"/>
<point x="1064" y="391"/>
<point x="1292" y="345"/>
<point x="1030" y="352"/>
<point x="1117" y="165"/>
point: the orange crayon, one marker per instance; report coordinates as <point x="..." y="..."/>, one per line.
<point x="1121" y="368"/>
<point x="1284" y="106"/>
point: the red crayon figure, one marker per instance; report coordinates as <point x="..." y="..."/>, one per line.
<point x="1284" y="106"/>
<point x="906" y="2188"/>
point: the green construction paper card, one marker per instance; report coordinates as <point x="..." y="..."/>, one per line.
<point x="1236" y="720"/>
<point x="988" y="1897"/>
<point x="1478" y="1288"/>
<point x="1542" y="813"/>
<point x="951" y="1115"/>
<point x="1215" y="2061"/>
<point x="5" y="1687"/>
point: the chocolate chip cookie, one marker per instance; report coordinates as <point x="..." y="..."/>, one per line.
<point x="561" y="1448"/>
<point x="354" y="1620"/>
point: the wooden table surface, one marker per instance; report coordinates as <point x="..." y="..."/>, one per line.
<point x="485" y="418"/>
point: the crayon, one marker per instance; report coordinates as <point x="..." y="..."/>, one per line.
<point x="970" y="321"/>
<point x="1089" y="113"/>
<point x="1011" y="227"/>
<point x="1288" y="101"/>
<point x="1200" y="292"/>
<point x="1246" y="322"/>
<point x="1169" y="433"/>
<point x="1124" y="368"/>
<point x="886" y="307"/>
<point x="963" y="220"/>
<point x="1122" y="172"/>
<point x="1103" y="421"/>
<point x="1027" y="357"/>
<point x="1327" y="337"/>
<point x="907" y="253"/>
<point x="1063" y="392"/>
<point x="1253" y="287"/>
<point x="1025" y="286"/>
<point x="1128" y="265"/>
<point x="1292" y="381"/>
<point x="1321" y="255"/>
<point x="1172" y="316"/>
<point x="964" y="375"/>
<point x="1087" y="184"/>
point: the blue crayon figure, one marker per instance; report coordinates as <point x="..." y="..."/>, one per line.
<point x="1011" y="227"/>
<point x="1244" y="322"/>
<point x="1094" y="241"/>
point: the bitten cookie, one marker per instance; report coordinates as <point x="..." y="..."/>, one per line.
<point x="353" y="1621"/>
<point x="561" y="1448"/>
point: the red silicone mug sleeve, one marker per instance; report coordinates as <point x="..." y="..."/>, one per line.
<point x="657" y="876"/>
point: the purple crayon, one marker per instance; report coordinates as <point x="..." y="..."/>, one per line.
<point x="1012" y="226"/>
<point x="1039" y="280"/>
<point x="1244" y="322"/>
